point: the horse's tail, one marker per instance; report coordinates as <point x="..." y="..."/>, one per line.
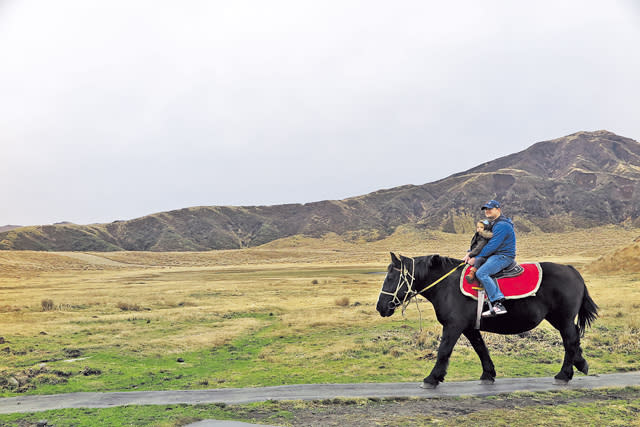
<point x="588" y="309"/>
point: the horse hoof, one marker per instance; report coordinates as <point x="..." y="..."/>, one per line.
<point x="560" y="382"/>
<point x="428" y="386"/>
<point x="583" y="367"/>
<point x="487" y="382"/>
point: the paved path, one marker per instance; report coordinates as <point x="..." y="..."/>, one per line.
<point x="34" y="403"/>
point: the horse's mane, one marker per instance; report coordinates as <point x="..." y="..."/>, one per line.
<point x="424" y="263"/>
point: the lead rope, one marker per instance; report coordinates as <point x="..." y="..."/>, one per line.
<point x="419" y="313"/>
<point x="406" y="304"/>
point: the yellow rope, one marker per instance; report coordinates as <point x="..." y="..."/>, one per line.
<point x="443" y="277"/>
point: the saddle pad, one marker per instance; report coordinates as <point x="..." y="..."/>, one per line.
<point x="524" y="285"/>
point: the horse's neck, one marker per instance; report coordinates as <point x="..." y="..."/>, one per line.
<point x="427" y="275"/>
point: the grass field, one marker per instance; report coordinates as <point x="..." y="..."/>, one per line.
<point x="298" y="310"/>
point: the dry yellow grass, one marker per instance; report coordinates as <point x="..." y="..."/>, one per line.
<point x="189" y="301"/>
<point x="625" y="259"/>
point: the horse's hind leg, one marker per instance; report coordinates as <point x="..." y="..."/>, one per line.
<point x="571" y="341"/>
<point x="488" y="370"/>
<point x="578" y="361"/>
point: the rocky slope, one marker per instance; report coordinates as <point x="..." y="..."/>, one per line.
<point x="582" y="180"/>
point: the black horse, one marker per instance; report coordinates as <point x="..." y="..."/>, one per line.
<point x="562" y="295"/>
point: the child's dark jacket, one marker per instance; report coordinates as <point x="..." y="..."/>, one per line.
<point x="478" y="242"/>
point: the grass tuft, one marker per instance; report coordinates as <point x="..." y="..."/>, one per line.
<point x="342" y="301"/>
<point x="47" y="305"/>
<point x="125" y="306"/>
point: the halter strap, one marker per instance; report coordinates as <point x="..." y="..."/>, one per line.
<point x="402" y="280"/>
<point x="410" y="291"/>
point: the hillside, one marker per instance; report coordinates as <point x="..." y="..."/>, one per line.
<point x="623" y="259"/>
<point x="582" y="180"/>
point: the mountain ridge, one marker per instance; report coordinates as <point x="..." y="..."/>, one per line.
<point x="581" y="180"/>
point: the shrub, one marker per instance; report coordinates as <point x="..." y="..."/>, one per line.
<point x="50" y="379"/>
<point x="86" y="371"/>
<point x="125" y="306"/>
<point x="342" y="301"/>
<point x="47" y="304"/>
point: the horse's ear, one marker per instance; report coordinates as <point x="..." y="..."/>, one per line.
<point x="434" y="260"/>
<point x="394" y="259"/>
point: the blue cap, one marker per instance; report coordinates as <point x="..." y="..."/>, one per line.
<point x="491" y="204"/>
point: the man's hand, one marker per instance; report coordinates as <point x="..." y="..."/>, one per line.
<point x="466" y="258"/>
<point x="471" y="261"/>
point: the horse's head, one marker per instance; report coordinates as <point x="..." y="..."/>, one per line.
<point x="397" y="287"/>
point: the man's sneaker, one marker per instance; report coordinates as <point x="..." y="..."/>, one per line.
<point x="496" y="310"/>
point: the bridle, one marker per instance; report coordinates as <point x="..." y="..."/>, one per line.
<point x="404" y="280"/>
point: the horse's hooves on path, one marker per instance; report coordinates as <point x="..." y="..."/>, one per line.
<point x="428" y="386"/>
<point x="583" y="367"/>
<point x="560" y="382"/>
<point x="487" y="382"/>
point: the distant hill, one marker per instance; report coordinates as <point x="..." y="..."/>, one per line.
<point x="624" y="259"/>
<point x="581" y="180"/>
<point x="8" y="227"/>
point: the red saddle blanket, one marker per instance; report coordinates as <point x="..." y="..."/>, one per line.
<point x="524" y="285"/>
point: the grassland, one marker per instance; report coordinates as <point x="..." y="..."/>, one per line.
<point x="298" y="310"/>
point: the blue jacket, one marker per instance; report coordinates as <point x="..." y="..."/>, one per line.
<point x="503" y="241"/>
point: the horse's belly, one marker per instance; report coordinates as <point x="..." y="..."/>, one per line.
<point x="508" y="324"/>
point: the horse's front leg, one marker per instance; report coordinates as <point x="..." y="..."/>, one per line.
<point x="450" y="336"/>
<point x="488" y="370"/>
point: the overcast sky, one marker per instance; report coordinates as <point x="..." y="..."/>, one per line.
<point x="117" y="109"/>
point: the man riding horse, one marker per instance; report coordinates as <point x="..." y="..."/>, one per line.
<point x="498" y="253"/>
<point x="560" y="296"/>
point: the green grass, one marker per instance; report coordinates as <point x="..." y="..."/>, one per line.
<point x="275" y="355"/>
<point x="162" y="415"/>
<point x="619" y="406"/>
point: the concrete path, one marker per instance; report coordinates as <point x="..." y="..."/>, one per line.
<point x="34" y="403"/>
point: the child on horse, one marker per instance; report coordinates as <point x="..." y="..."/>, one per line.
<point x="479" y="240"/>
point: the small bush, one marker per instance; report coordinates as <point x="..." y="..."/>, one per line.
<point x="314" y="282"/>
<point x="125" y="306"/>
<point x="50" y="379"/>
<point x="342" y="301"/>
<point x="86" y="371"/>
<point x="396" y="353"/>
<point x="72" y="352"/>
<point x="47" y="304"/>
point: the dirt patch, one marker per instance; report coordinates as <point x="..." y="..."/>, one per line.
<point x="30" y="378"/>
<point x="414" y="412"/>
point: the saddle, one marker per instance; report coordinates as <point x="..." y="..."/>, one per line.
<point x="515" y="281"/>
<point x="512" y="270"/>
